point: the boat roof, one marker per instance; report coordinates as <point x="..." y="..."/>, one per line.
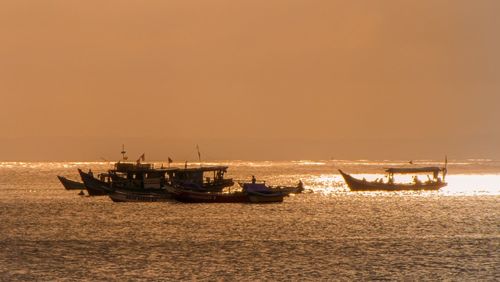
<point x="409" y="170"/>
<point x="202" y="169"/>
<point x="135" y="167"/>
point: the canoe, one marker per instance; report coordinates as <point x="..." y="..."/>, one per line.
<point x="364" y="185"/>
<point x="70" y="184"/>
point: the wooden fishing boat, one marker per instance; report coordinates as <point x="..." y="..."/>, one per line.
<point x="94" y="186"/>
<point x="190" y="196"/>
<point x="120" y="195"/>
<point x="379" y="185"/>
<point x="260" y="193"/>
<point x="71" y="184"/>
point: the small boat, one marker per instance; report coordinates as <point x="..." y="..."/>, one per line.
<point x="94" y="186"/>
<point x="190" y="196"/>
<point x="70" y="184"/>
<point x="379" y="185"/>
<point x="260" y="193"/>
<point x="120" y="195"/>
<point x="287" y="190"/>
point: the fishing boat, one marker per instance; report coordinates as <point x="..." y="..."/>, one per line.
<point x="260" y="193"/>
<point x="434" y="183"/>
<point x="71" y="184"/>
<point x="189" y="196"/>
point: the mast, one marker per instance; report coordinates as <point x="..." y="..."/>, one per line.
<point x="123" y="152"/>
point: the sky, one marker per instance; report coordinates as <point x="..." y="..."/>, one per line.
<point x="252" y="80"/>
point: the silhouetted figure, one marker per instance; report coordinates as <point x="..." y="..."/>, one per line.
<point x="91" y="173"/>
<point x="253" y="179"/>
<point x="416" y="180"/>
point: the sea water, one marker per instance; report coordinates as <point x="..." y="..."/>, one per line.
<point x="329" y="233"/>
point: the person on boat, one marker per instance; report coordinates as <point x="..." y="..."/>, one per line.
<point x="253" y="179"/>
<point x="300" y="185"/>
<point x="416" y="180"/>
<point x="91" y="173"/>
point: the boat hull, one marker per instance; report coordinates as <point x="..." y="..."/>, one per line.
<point x="70" y="184"/>
<point x="265" y="198"/>
<point x="121" y="196"/>
<point x="187" y="196"/>
<point x="363" y="185"/>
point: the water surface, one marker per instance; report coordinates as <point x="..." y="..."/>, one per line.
<point x="47" y="233"/>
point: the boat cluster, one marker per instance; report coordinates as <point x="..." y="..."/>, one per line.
<point x="143" y="182"/>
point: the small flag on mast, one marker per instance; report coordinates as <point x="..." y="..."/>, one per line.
<point x="199" y="155"/>
<point x="142" y="157"/>
<point x="169" y="161"/>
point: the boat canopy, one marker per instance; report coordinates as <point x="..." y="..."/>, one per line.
<point x="202" y="169"/>
<point x="139" y="168"/>
<point x="413" y="170"/>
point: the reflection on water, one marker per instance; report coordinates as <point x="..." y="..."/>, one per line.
<point x="48" y="233"/>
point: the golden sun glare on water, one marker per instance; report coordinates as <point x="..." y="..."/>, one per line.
<point x="458" y="185"/>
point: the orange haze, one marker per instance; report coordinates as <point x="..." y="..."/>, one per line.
<point x="249" y="79"/>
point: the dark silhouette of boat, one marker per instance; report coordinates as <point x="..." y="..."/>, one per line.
<point x="71" y="184"/>
<point x="379" y="185"/>
<point x="143" y="182"/>
<point x="260" y="193"/>
<point x="119" y="195"/>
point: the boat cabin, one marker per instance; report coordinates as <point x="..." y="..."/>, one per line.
<point x="138" y="175"/>
<point x="202" y="178"/>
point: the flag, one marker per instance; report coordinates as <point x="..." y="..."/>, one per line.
<point x="142" y="157"/>
<point x="170" y="160"/>
<point x="199" y="155"/>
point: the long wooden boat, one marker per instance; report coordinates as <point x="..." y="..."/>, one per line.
<point x="190" y="196"/>
<point x="94" y="186"/>
<point x="364" y="185"/>
<point x="120" y="195"/>
<point x="70" y="184"/>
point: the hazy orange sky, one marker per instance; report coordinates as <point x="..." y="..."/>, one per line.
<point x="249" y="79"/>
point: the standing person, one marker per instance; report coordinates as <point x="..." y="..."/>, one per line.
<point x="253" y="179"/>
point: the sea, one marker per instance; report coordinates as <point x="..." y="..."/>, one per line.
<point x="326" y="234"/>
